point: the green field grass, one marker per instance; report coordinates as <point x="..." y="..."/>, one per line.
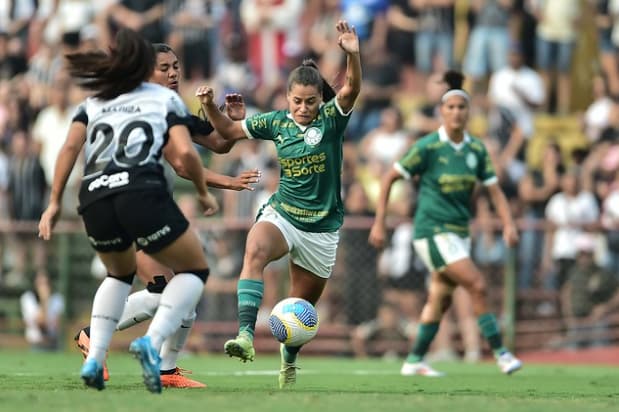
<point x="50" y="382"/>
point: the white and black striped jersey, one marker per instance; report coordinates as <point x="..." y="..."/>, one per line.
<point x="125" y="137"/>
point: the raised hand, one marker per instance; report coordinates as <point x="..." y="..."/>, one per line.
<point x="205" y="95"/>
<point x="235" y="106"/>
<point x="347" y="40"/>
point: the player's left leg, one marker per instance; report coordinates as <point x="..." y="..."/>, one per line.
<point x="311" y="263"/>
<point x="171" y="375"/>
<point x="465" y="273"/>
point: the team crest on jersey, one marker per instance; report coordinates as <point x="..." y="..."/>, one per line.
<point x="312" y="136"/>
<point x="471" y="161"/>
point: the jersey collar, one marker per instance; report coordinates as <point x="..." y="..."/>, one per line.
<point x="300" y="126"/>
<point x="443" y="137"/>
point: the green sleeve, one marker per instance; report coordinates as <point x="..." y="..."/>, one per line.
<point x="261" y="126"/>
<point x="334" y="116"/>
<point x="485" y="170"/>
<point x="414" y="162"/>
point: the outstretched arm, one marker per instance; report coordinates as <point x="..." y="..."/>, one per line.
<point x="64" y="165"/>
<point x="243" y="181"/>
<point x="349" y="42"/>
<point x="227" y="128"/>
<point x="235" y="109"/>
<point x="378" y="230"/>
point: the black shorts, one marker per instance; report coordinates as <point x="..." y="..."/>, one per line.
<point x="150" y="218"/>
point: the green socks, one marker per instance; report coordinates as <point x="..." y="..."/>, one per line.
<point x="425" y="336"/>
<point x="290" y="353"/>
<point x="490" y="330"/>
<point x="249" y="293"/>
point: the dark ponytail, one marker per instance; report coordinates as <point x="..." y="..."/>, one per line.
<point x="307" y="74"/>
<point x="129" y="62"/>
<point x="453" y="79"/>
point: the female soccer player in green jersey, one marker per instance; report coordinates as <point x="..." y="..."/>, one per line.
<point x="448" y="163"/>
<point x="304" y="216"/>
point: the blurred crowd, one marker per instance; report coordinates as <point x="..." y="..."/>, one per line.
<point x="519" y="56"/>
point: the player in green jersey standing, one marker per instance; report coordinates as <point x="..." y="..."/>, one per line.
<point x="304" y="216"/>
<point x="448" y="162"/>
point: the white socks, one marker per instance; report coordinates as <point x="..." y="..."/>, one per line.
<point x="107" y="307"/>
<point x="140" y="306"/>
<point x="180" y="297"/>
<point x="174" y="343"/>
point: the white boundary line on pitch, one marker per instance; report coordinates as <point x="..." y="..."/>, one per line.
<point x="358" y="372"/>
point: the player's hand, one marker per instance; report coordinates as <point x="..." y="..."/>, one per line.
<point x="48" y="221"/>
<point x="209" y="204"/>
<point x="235" y="106"/>
<point x="245" y="180"/>
<point x="377" y="235"/>
<point x="348" y="40"/>
<point x="205" y="95"/>
<point x="510" y="235"/>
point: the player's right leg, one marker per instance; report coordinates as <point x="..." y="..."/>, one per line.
<point x="179" y="249"/>
<point x="116" y="251"/>
<point x="265" y="243"/>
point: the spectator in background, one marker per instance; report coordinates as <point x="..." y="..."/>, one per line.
<point x="143" y="16"/>
<point x="571" y="212"/>
<point x="369" y="19"/>
<point x="272" y="35"/>
<point x="42" y="309"/>
<point x="534" y="191"/>
<point x="26" y="193"/>
<point x="386" y="143"/>
<point x="381" y="83"/>
<point x="598" y="114"/>
<point x="557" y="32"/>
<point x="514" y="93"/>
<point x="488" y="41"/>
<point x="434" y="41"/>
<point x="426" y="117"/>
<point x="49" y="131"/>
<point x="321" y="40"/>
<point x="605" y="22"/>
<point x="191" y="31"/>
<point x="589" y="296"/>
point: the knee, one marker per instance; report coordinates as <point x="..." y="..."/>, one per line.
<point x="256" y="253"/>
<point x="477" y="288"/>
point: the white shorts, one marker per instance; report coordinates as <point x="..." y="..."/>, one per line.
<point x="442" y="249"/>
<point x="310" y="250"/>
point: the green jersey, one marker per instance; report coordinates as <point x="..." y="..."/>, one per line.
<point x="310" y="159"/>
<point x="448" y="173"/>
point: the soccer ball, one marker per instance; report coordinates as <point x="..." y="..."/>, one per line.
<point x="293" y="321"/>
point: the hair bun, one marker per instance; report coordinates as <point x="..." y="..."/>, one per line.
<point x="309" y="63"/>
<point x="453" y="79"/>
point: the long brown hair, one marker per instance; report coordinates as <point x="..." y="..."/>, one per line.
<point x="129" y="62"/>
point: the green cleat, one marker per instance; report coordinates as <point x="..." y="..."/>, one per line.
<point x="287" y="372"/>
<point x="241" y="347"/>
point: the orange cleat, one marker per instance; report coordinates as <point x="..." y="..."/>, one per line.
<point x="178" y="380"/>
<point x="82" y="340"/>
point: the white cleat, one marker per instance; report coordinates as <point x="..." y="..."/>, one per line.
<point x="508" y="363"/>
<point x="419" y="368"/>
